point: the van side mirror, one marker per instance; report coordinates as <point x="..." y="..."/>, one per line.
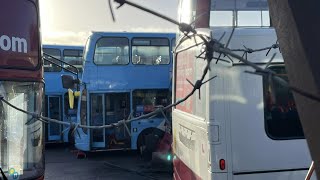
<point x="68" y="82"/>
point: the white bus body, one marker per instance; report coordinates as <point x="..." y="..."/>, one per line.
<point x="227" y="126"/>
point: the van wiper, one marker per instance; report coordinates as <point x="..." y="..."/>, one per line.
<point x="3" y="175"/>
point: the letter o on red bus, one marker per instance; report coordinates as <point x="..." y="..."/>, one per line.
<point x="5" y="43"/>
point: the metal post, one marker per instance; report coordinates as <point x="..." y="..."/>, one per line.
<point x="297" y="24"/>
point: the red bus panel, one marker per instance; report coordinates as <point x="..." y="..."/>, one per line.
<point x="19" y="39"/>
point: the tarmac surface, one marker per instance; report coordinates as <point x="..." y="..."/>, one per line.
<point x="63" y="164"/>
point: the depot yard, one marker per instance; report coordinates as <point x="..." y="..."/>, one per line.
<point x="61" y="163"/>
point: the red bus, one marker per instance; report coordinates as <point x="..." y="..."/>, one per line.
<point x="21" y="84"/>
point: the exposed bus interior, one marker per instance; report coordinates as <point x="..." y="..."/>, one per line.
<point x="106" y="109"/>
<point x="281" y="115"/>
<point x="109" y="108"/>
<point x="147" y="100"/>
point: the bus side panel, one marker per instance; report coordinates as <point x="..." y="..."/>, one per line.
<point x="232" y="95"/>
<point x="254" y="38"/>
<point x="53" y="83"/>
<point x="252" y="149"/>
<point x="190" y="117"/>
<point x="288" y="175"/>
<point x="217" y="126"/>
<point x="219" y="176"/>
<point x="138" y="126"/>
<point x="190" y="145"/>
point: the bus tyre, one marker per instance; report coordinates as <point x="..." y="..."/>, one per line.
<point x="148" y="141"/>
<point x="142" y="148"/>
<point x="71" y="140"/>
<point x="81" y="155"/>
<point x="142" y="151"/>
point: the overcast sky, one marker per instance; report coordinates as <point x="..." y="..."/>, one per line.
<point x="71" y="21"/>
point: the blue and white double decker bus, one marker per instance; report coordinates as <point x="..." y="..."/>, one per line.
<point x="56" y="99"/>
<point x="124" y="75"/>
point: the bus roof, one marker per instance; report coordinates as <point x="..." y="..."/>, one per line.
<point x="59" y="46"/>
<point x="133" y="34"/>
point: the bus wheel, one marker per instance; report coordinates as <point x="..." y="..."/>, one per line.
<point x="81" y="155"/>
<point x="148" y="141"/>
<point x="142" y="150"/>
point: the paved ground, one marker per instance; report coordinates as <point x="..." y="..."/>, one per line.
<point x="63" y="164"/>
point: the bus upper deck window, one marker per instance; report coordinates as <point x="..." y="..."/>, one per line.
<point x="112" y="51"/>
<point x="266" y="19"/>
<point x="150" y="51"/>
<point x="48" y="66"/>
<point x="73" y="57"/>
<point x="249" y="18"/>
<point x="247" y="13"/>
<point x="221" y="18"/>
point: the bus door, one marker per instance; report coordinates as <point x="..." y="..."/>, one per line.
<point x="117" y="108"/>
<point x="97" y="119"/>
<point x="54" y="112"/>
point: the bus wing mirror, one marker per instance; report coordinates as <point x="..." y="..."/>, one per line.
<point x="68" y="82"/>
